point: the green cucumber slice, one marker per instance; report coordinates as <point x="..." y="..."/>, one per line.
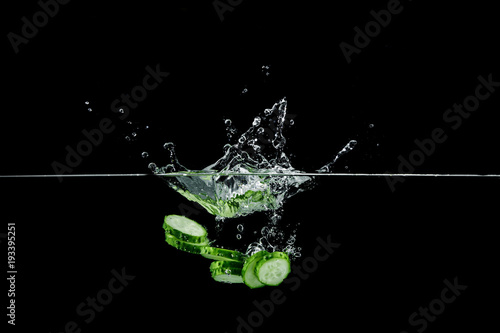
<point x="226" y="271"/>
<point x="216" y="253"/>
<point x="195" y="248"/>
<point x="248" y="271"/>
<point x="185" y="229"/>
<point x="273" y="268"/>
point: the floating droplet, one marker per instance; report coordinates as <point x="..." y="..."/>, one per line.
<point x="256" y="121"/>
<point x="121" y="111"/>
<point x="145" y="154"/>
<point x="371" y="126"/>
<point x="87" y="102"/>
<point x="134" y="134"/>
<point x="291" y="122"/>
<point x="127" y="138"/>
<point x="239" y="227"/>
<point x="228" y="122"/>
<point x="89" y="109"/>
<point x="260" y="130"/>
<point x="242" y="139"/>
<point x="238" y="236"/>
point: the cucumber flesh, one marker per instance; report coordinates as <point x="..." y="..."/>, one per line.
<point x="226" y="271"/>
<point x="273" y="268"/>
<point x="195" y="248"/>
<point x="185" y="229"/>
<point x="248" y="271"/>
<point x="216" y="253"/>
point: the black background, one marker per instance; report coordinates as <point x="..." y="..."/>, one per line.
<point x="397" y="247"/>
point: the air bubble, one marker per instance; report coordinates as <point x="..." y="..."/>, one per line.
<point x="228" y="122"/>
<point x="145" y="154"/>
<point x="127" y="138"/>
<point x="371" y="126"/>
<point x="260" y="130"/>
<point x="87" y="102"/>
<point x="121" y="111"/>
<point x="89" y="109"/>
<point x="268" y="112"/>
<point x="239" y="227"/>
<point x="134" y="134"/>
<point x="291" y="122"/>
<point x="242" y="139"/>
<point x="238" y="236"/>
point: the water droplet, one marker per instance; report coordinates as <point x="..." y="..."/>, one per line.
<point x="291" y="122"/>
<point x="238" y="236"/>
<point x="228" y="122"/>
<point x="168" y="145"/>
<point x="127" y="138"/>
<point x="371" y="126"/>
<point x="134" y="134"/>
<point x="152" y="167"/>
<point x="268" y="112"/>
<point x="242" y="139"/>
<point x="87" y="102"/>
<point x="121" y="111"/>
<point x="145" y="154"/>
<point x="89" y="109"/>
<point x="239" y="227"/>
<point x="244" y="91"/>
<point x="256" y="121"/>
<point x="260" y="130"/>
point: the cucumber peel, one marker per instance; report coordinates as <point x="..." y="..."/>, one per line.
<point x="226" y="271"/>
<point x="216" y="253"/>
<point x="195" y="248"/>
<point x="248" y="271"/>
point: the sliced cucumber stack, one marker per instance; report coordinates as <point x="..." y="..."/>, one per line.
<point x="259" y="270"/>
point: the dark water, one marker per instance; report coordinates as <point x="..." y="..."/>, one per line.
<point x="372" y="252"/>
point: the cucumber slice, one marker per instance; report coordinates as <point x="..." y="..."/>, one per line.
<point x="216" y="253"/>
<point x="273" y="268"/>
<point x="226" y="271"/>
<point x="185" y="229"/>
<point x="248" y="271"/>
<point x="195" y="248"/>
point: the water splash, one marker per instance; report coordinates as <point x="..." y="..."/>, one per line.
<point x="347" y="148"/>
<point x="227" y="191"/>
